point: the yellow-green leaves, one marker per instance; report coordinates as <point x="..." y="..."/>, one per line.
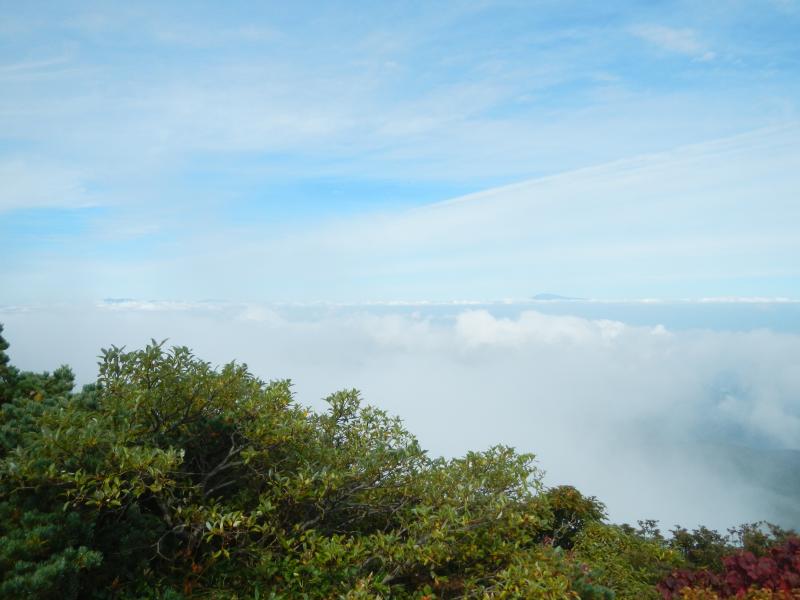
<point x="193" y="480"/>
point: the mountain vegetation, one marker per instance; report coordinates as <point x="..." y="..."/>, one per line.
<point x="169" y="478"/>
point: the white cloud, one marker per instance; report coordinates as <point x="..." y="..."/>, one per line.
<point x="379" y="103"/>
<point x="594" y="229"/>
<point x="646" y="418"/>
<point x="260" y="314"/>
<point x="479" y="328"/>
<point x="747" y="300"/>
<point x="129" y="304"/>
<point x="790" y="7"/>
<point x="702" y="220"/>
<point x="32" y="184"/>
<point x="30" y="66"/>
<point x="681" y="41"/>
<point x="204" y="37"/>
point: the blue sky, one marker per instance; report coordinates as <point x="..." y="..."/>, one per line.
<point x="260" y="151"/>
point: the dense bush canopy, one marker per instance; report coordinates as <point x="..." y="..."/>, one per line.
<point x="172" y="479"/>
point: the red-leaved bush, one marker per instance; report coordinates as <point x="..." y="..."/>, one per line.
<point x="779" y="570"/>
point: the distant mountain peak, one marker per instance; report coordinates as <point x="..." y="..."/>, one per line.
<point x="554" y="297"/>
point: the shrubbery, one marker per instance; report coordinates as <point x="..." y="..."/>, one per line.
<point x="743" y="572"/>
<point x="171" y="479"/>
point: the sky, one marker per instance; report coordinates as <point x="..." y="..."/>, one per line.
<point x="372" y="195"/>
<point x="188" y="151"/>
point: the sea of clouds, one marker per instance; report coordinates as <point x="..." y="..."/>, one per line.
<point x="684" y="425"/>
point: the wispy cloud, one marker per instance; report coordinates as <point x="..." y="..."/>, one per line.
<point x="249" y="115"/>
<point x="681" y="41"/>
<point x="32" y="184"/>
<point x="787" y="6"/>
<point x="31" y="65"/>
<point x="715" y="219"/>
<point x="563" y="232"/>
<point x="395" y="97"/>
<point x="209" y="37"/>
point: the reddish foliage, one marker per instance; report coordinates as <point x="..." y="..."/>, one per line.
<point x="685" y="578"/>
<point x="779" y="570"/>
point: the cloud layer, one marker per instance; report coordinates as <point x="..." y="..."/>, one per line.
<point x="713" y="219"/>
<point x="657" y="423"/>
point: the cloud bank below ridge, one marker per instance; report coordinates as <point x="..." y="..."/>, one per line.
<point x="674" y="423"/>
